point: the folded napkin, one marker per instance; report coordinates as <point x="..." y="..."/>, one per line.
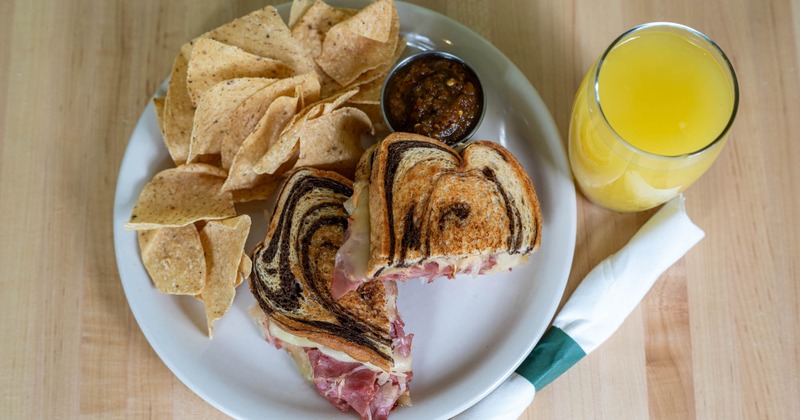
<point x="595" y="310"/>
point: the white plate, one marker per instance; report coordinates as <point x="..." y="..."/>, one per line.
<point x="469" y="334"/>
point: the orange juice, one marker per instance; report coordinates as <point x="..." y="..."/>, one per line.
<point x="650" y="116"/>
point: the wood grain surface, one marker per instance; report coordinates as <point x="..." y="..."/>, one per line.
<point x="717" y="337"/>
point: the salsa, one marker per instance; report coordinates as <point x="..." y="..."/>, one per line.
<point x="434" y="96"/>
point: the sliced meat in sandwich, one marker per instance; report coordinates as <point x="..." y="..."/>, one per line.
<point x="354" y="349"/>
<point x="421" y="209"/>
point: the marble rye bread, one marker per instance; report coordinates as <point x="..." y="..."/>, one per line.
<point x="429" y="202"/>
<point x="292" y="269"/>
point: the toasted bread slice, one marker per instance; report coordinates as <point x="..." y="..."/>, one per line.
<point x="429" y="202"/>
<point x="434" y="211"/>
<point x="293" y="266"/>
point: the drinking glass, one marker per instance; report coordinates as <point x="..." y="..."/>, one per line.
<point x="651" y="116"/>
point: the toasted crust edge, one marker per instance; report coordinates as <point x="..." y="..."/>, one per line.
<point x="530" y="191"/>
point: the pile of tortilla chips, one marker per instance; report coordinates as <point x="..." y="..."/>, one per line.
<point x="191" y="240"/>
<point x="246" y="103"/>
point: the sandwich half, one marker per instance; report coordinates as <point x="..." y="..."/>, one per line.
<point x="422" y="209"/>
<point x="353" y="349"/>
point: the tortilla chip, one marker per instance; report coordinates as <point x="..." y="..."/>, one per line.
<point x="245" y="118"/>
<point x="369" y="93"/>
<point x="281" y="155"/>
<point x="333" y="141"/>
<point x="263" y="33"/>
<point x="173" y="257"/>
<point x="311" y="28"/>
<point x="258" y="193"/>
<point x="266" y="134"/>
<point x="374" y="21"/>
<point x="328" y="86"/>
<point x="180" y="196"/>
<point x="213" y="62"/>
<point x="158" y="106"/>
<point x="245" y="268"/>
<point x="369" y="82"/>
<point x="178" y="113"/>
<point x="375" y="115"/>
<point x="347" y="54"/>
<point x="378" y="74"/>
<point x="204" y="169"/>
<point x="328" y="105"/>
<point x="287" y="147"/>
<point x="314" y="24"/>
<point x="223" y="244"/>
<point x="298" y="10"/>
<point x="344" y="57"/>
<point x="213" y="115"/>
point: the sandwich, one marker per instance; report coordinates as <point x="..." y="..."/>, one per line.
<point x="354" y="349"/>
<point x="422" y="209"/>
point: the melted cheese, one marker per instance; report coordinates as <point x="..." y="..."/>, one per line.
<point x="470" y="264"/>
<point x="359" y="235"/>
<point x="506" y="261"/>
<point x="401" y="366"/>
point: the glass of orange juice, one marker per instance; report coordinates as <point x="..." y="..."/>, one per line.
<point x="651" y="116"/>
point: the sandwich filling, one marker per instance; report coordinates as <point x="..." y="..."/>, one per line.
<point x="344" y="381"/>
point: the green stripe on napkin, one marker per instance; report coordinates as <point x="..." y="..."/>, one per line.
<point x="553" y="355"/>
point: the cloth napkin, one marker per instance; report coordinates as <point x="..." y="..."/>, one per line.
<point x="595" y="310"/>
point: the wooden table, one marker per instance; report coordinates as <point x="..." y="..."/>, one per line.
<point x="717" y="337"/>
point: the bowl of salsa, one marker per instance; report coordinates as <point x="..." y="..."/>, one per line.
<point x="434" y="94"/>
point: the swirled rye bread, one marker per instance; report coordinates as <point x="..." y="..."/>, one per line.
<point x="421" y="209"/>
<point x="353" y="349"/>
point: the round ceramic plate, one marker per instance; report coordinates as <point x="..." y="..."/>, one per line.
<point x="469" y="333"/>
